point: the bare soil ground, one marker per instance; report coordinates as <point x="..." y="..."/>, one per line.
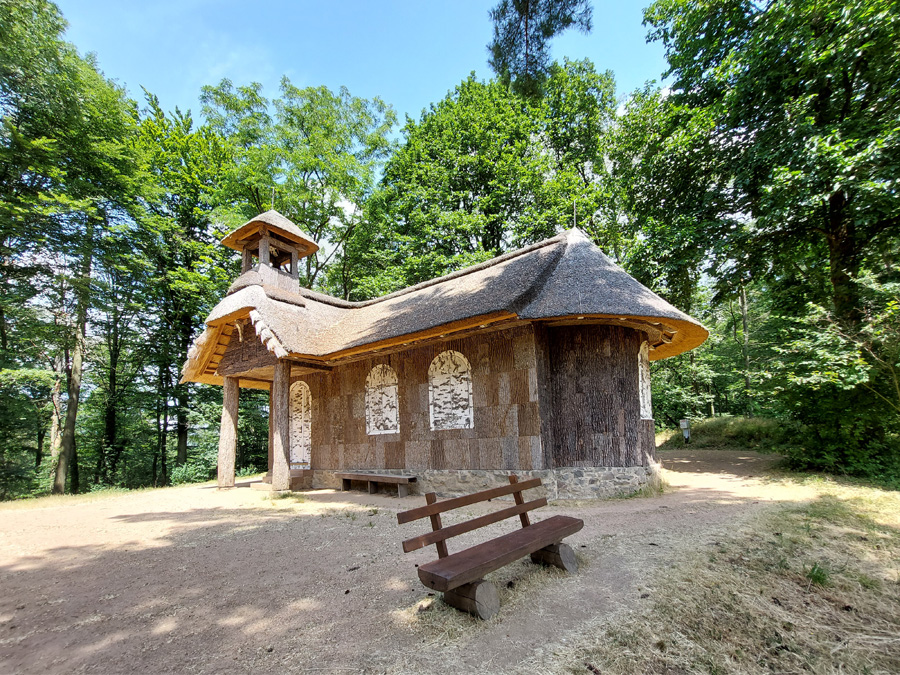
<point x="196" y="580"/>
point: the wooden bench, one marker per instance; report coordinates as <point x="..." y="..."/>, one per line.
<point x="459" y="576"/>
<point x="373" y="479"/>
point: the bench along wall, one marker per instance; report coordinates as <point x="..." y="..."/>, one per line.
<point x="560" y="403"/>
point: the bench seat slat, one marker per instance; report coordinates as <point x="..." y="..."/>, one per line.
<point x="376" y="478"/>
<point x="465" y="500"/>
<point x="472" y="564"/>
<point x="469" y="525"/>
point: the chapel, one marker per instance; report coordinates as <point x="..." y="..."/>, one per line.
<point x="535" y="363"/>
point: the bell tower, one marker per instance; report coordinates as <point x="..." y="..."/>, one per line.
<point x="272" y="246"/>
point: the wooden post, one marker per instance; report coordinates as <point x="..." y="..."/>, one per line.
<point x="268" y="476"/>
<point x="264" y="250"/>
<point x="517" y="496"/>
<point x="558" y="555"/>
<point x="228" y="432"/>
<point x="479" y="598"/>
<point x="280" y="420"/>
<point x="441" y="546"/>
<point x="246" y="260"/>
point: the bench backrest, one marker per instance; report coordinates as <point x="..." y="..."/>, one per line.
<point x="433" y="510"/>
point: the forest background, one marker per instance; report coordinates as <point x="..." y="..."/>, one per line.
<point x="757" y="192"/>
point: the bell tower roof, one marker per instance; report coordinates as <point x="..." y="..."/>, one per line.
<point x="276" y="226"/>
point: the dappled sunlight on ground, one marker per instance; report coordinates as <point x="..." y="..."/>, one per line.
<point x="195" y="578"/>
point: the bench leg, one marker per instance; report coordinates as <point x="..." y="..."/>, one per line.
<point x="558" y="555"/>
<point x="373" y="487"/>
<point x="479" y="598"/>
<point x="402" y="490"/>
<point x="345" y="484"/>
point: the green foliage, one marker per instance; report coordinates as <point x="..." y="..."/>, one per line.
<point x="520" y="50"/>
<point x="195" y="471"/>
<point x="758" y="194"/>
<point x="770" y="169"/>
<point x="818" y="574"/>
<point x="312" y="153"/>
<point x="482" y="171"/>
<point x="761" y="434"/>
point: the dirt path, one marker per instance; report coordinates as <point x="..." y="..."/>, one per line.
<point x="193" y="580"/>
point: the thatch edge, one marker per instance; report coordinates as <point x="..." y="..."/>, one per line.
<point x="265" y="334"/>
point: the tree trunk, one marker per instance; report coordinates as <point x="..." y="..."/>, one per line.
<point x="182" y="393"/>
<point x="162" y="437"/>
<point x="67" y="454"/>
<point x="745" y="350"/>
<point x="181" y="398"/>
<point x="39" y="451"/>
<point x="111" y="451"/>
<point x="74" y="473"/>
<point x="844" y="261"/>
<point x="4" y="339"/>
<point x="55" y="417"/>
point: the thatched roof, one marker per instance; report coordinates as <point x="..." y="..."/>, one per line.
<point x="565" y="278"/>
<point x="277" y="225"/>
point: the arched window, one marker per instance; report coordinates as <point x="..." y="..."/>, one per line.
<point x="301" y="419"/>
<point x="644" y="381"/>
<point x="382" y="415"/>
<point x="450" y="392"/>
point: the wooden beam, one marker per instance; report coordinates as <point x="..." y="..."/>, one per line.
<point x="228" y="432"/>
<point x="271" y="435"/>
<point x="517" y="496"/>
<point x="311" y="365"/>
<point x="467" y="526"/>
<point x="214" y="337"/>
<point x="436" y="332"/>
<point x="264" y="250"/>
<point x="446" y="505"/>
<point x="279" y="418"/>
<point x="440" y="545"/>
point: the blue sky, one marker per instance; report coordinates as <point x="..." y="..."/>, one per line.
<point x="409" y="53"/>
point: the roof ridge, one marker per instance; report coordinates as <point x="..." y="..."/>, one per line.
<point x="348" y="304"/>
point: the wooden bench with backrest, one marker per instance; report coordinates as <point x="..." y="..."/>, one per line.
<point x="402" y="482"/>
<point x="459" y="576"/>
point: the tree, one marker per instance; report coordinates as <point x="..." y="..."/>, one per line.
<point x="519" y="52"/>
<point x="774" y="160"/>
<point x="66" y="172"/>
<point x="462" y="188"/>
<point x="804" y="98"/>
<point x="180" y="243"/>
<point x="483" y="171"/>
<point x="315" y="159"/>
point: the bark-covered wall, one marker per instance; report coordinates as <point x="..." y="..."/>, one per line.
<point x="590" y="397"/>
<point x="542" y="398"/>
<point x="506" y="422"/>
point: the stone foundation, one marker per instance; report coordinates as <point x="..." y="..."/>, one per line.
<point x="564" y="483"/>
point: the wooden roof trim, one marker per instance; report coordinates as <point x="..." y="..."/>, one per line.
<point x="409" y="339"/>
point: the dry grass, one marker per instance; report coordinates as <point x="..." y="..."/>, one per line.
<point x="517" y="583"/>
<point x="813" y="588"/>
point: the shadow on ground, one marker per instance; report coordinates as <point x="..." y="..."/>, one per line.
<point x="192" y="579"/>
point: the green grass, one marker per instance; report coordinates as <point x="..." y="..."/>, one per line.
<point x="728" y="433"/>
